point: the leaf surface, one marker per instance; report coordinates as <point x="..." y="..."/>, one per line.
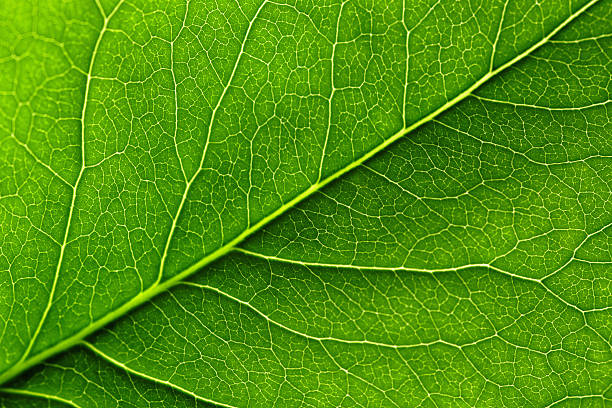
<point x="469" y="262"/>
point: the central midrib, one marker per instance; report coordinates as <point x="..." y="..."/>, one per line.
<point x="160" y="287"/>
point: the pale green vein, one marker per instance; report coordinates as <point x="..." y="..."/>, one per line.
<point x="579" y="398"/>
<point x="140" y="374"/>
<point x="498" y="34"/>
<point x="585" y="39"/>
<point x="39" y="161"/>
<point x="333" y="92"/>
<point x="518" y="153"/>
<point x="27" y="393"/>
<point x="210" y="126"/>
<point x="526" y="105"/>
<point x="386" y="268"/>
<point x="175" y="85"/>
<point x="74" y="194"/>
<point x="433" y="271"/>
<point x="320" y="339"/>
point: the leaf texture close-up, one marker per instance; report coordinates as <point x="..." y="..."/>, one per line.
<point x="323" y="203"/>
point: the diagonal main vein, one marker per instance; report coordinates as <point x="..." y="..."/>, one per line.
<point x="160" y="287"/>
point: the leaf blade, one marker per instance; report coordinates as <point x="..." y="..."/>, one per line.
<point x="224" y="249"/>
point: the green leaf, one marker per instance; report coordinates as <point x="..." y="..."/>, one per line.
<point x="467" y="264"/>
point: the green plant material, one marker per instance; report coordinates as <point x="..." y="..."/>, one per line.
<point x="387" y="203"/>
